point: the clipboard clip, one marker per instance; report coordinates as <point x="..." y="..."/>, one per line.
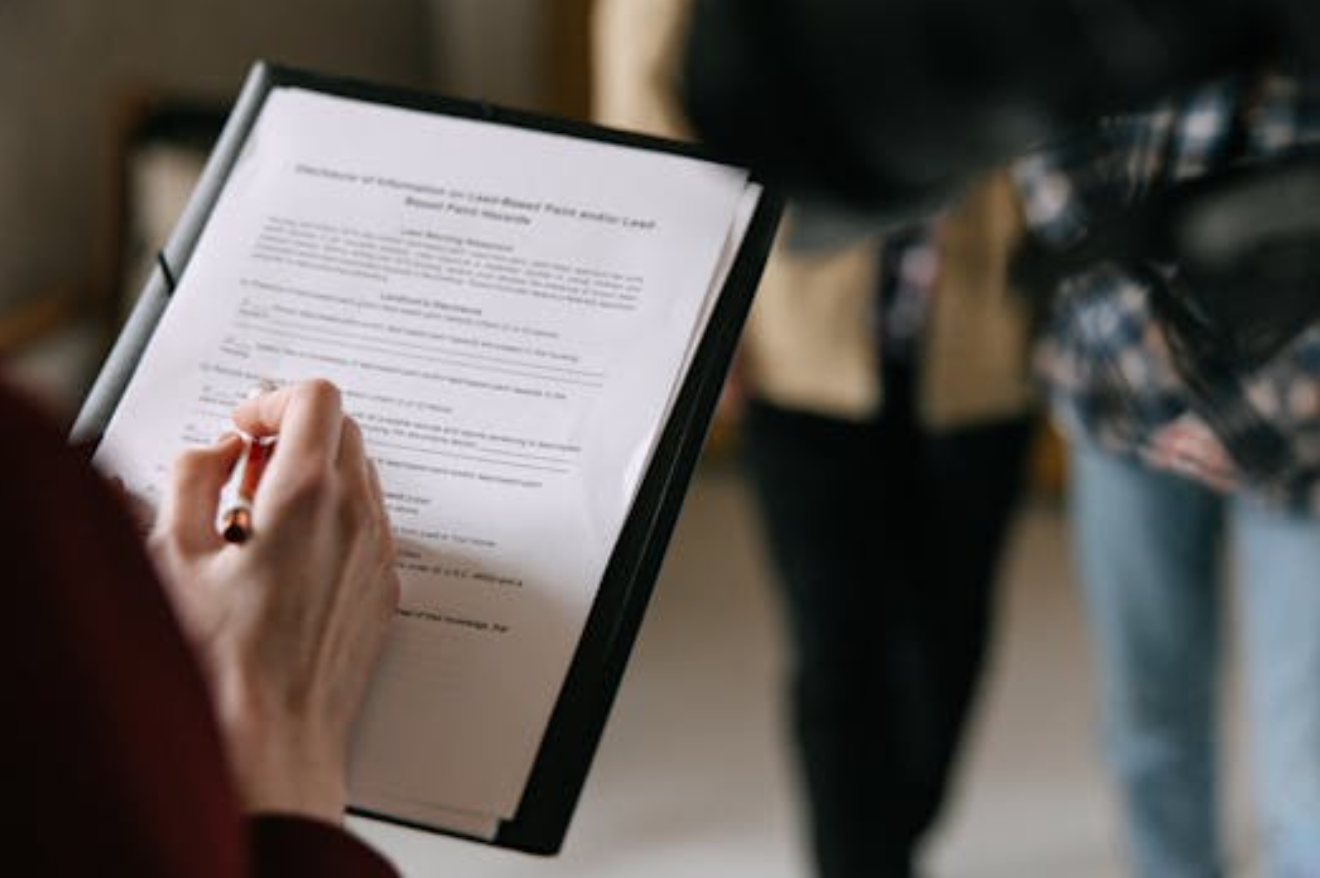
<point x="170" y="281"/>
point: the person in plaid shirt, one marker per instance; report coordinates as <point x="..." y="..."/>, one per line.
<point x="1160" y="474"/>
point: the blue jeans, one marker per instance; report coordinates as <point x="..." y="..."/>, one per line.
<point x="1149" y="547"/>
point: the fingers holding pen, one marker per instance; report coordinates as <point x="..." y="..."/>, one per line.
<point x="308" y="419"/>
<point x="189" y="507"/>
<point x="320" y="457"/>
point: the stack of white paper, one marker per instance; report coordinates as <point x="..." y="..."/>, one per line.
<point x="509" y="314"/>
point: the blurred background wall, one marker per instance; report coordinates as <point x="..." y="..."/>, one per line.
<point x="74" y="75"/>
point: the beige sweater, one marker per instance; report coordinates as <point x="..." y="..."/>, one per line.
<point x="810" y="342"/>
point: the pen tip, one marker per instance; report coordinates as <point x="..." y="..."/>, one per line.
<point x="237" y="527"/>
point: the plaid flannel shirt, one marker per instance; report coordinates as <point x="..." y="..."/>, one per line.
<point x="1104" y="360"/>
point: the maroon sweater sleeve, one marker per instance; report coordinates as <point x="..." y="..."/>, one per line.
<point x="112" y="762"/>
<point x="293" y="846"/>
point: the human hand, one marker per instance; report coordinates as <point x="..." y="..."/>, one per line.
<point x="1188" y="446"/>
<point x="290" y="624"/>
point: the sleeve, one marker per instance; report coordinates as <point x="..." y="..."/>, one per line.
<point x="112" y="761"/>
<point x="285" y="845"/>
<point x="1052" y="206"/>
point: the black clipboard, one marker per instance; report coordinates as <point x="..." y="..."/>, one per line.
<point x="578" y="719"/>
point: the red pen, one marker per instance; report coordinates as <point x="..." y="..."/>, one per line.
<point x="236" y="496"/>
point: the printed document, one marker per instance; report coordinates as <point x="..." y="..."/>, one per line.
<point x="509" y="314"/>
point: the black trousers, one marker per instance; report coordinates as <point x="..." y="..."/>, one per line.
<point x="885" y="539"/>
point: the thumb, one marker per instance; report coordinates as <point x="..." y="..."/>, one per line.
<point x="189" y="507"/>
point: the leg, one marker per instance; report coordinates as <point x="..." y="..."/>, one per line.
<point x="970" y="480"/>
<point x="1146" y="544"/>
<point x="820" y="489"/>
<point x="886" y="542"/>
<point x="1279" y="555"/>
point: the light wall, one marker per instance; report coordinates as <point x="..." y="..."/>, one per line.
<point x="64" y="64"/>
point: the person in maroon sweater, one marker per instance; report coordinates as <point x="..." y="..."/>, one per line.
<point x="189" y="717"/>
